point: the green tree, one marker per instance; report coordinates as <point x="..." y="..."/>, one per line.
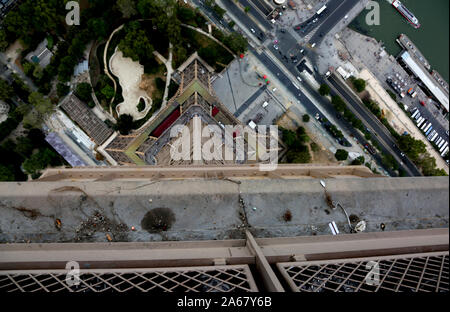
<point x="127" y="7"/>
<point x="40" y="160"/>
<point x="136" y="44"/>
<point x="341" y="154"/>
<point x="28" y="68"/>
<point x="62" y="89"/>
<point x="338" y="103"/>
<point x="42" y="104"/>
<point x="358" y="161"/>
<point x="359" y="84"/>
<point x="236" y="42"/>
<point x="306" y="118"/>
<point x="247" y="9"/>
<point x="6" y="173"/>
<point x="6" y="91"/>
<point x="324" y="89"/>
<point x="84" y="91"/>
<point x="108" y="92"/>
<point x="125" y="124"/>
<point x="3" y="43"/>
<point x="219" y="11"/>
<point x="314" y="147"/>
<point x="98" y="28"/>
<point x="24" y="147"/>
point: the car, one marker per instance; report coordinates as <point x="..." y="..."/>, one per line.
<point x="313" y="45"/>
<point x="346" y="16"/>
<point x="294" y="61"/>
<point x="297" y="28"/>
<point x="283" y="30"/>
<point x="252" y="30"/>
<point x="302" y="50"/>
<point x="299" y="79"/>
<point x="315" y="20"/>
<point x="273" y="21"/>
<point x="275" y="47"/>
<point x="402" y="154"/>
<point x="274" y="89"/>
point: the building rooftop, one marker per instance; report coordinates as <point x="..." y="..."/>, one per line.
<point x="426" y="78"/>
<point x="86" y="119"/>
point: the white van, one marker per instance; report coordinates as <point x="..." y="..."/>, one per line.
<point x="265" y="104"/>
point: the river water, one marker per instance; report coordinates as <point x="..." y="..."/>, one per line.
<point x="432" y="38"/>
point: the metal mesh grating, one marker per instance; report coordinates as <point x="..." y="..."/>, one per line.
<point x="416" y="273"/>
<point x="231" y="278"/>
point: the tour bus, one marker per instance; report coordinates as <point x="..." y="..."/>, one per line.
<point x="443" y="147"/>
<point x="321" y="10"/>
<point x="444" y="152"/>
<point x="431" y="134"/>
<point x="441" y="143"/>
<point x="423" y="124"/>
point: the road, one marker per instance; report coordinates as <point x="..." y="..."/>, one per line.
<point x="275" y="70"/>
<point x="385" y="139"/>
<point x="334" y="17"/>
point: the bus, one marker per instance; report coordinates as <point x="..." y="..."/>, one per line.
<point x="321" y="10"/>
<point x="428" y="131"/>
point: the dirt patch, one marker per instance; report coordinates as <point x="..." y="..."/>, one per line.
<point x="99" y="223"/>
<point x="329" y="200"/>
<point x="149" y="86"/>
<point x="158" y="220"/>
<point x="287" y="216"/>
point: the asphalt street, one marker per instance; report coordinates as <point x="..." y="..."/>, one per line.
<point x="386" y="141"/>
<point x="334" y="17"/>
<point x="332" y="5"/>
<point x="255" y="13"/>
<point x="283" y="78"/>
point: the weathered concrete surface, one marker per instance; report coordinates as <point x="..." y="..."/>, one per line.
<point x="215" y="209"/>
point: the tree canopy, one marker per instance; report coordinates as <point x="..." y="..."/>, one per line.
<point x="6" y="91"/>
<point x="341" y="154"/>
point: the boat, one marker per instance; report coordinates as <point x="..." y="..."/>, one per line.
<point x="406" y="13"/>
